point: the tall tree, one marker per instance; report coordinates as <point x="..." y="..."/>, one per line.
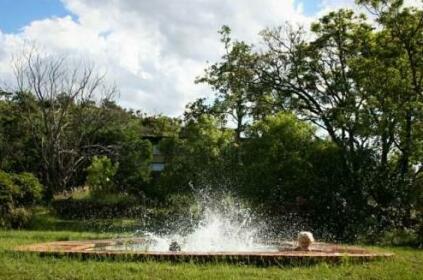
<point x="315" y="79"/>
<point x="17" y="151"/>
<point x="64" y="94"/>
<point x="403" y="28"/>
<point x="232" y="79"/>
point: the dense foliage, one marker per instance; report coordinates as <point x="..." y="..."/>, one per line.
<point x="324" y="123"/>
<point x="18" y="193"/>
<point x="100" y="175"/>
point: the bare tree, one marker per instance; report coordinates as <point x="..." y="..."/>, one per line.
<point x="64" y="115"/>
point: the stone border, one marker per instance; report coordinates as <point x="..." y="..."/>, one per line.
<point x="320" y="252"/>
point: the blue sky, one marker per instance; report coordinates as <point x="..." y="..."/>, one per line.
<point x="310" y="6"/>
<point x="15" y="14"/>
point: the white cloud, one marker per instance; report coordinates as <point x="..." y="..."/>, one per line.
<point x="154" y="49"/>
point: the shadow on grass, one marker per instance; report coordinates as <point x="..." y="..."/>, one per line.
<point x="44" y="220"/>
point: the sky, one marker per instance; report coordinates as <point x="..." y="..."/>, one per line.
<point x="152" y="50"/>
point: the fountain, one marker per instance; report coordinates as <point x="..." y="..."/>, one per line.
<point x="226" y="231"/>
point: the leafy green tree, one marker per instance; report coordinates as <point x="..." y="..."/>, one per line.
<point x="403" y="29"/>
<point x="315" y="80"/>
<point x="276" y="159"/>
<point x="159" y="126"/>
<point x="17" y="150"/>
<point x="124" y="136"/>
<point x="232" y="79"/>
<point x="197" y="157"/>
<point x="362" y="87"/>
<point x="135" y="154"/>
<point x="396" y="70"/>
<point x="287" y="170"/>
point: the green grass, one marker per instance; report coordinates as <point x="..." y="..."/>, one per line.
<point x="407" y="264"/>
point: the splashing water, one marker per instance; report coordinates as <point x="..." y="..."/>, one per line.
<point x="224" y="226"/>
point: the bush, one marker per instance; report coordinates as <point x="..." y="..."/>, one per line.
<point x="18" y="193"/>
<point x="176" y="214"/>
<point x="20" y="217"/>
<point x="30" y="189"/>
<point x="100" y="175"/>
<point x="97" y="209"/>
<point x="7" y="191"/>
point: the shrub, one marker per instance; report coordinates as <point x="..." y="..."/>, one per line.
<point x="18" y="193"/>
<point x="181" y="209"/>
<point x="20" y="217"/>
<point x="30" y="189"/>
<point x="100" y="175"/>
<point x="97" y="209"/>
<point x="7" y="191"/>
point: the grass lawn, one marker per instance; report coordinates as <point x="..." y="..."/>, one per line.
<point x="407" y="264"/>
